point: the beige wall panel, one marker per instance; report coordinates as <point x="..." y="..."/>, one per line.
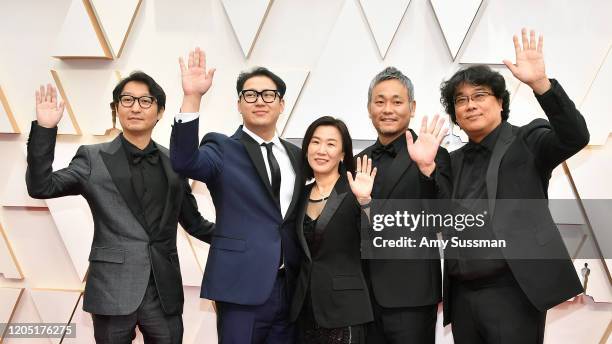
<point x="246" y="17"/>
<point x="55" y="306"/>
<point x="90" y="104"/>
<point x="84" y="326"/>
<point x="579" y="321"/>
<point x="7" y="119"/>
<point x="207" y="209"/>
<point x="9" y="266"/>
<point x="349" y="39"/>
<point x="38" y="247"/>
<point x="8" y="302"/>
<point x="455" y="19"/>
<point x="25" y="66"/>
<point x="115" y="18"/>
<point x="26" y="312"/>
<point x="384" y="20"/>
<point x="294" y="79"/>
<point x="190" y="268"/>
<point x="575" y="66"/>
<point x="199" y="318"/>
<point x="590" y="170"/>
<point x="13" y="190"/>
<point x="598" y="103"/>
<point x="79" y="26"/>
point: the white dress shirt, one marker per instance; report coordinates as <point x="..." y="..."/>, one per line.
<point x="280" y="153"/>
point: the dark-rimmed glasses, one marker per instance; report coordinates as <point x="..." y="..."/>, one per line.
<point x="127" y="101"/>
<point x="268" y="96"/>
<point x="477" y="97"/>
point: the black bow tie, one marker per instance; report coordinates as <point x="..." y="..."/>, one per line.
<point x="474" y="150"/>
<point x="380" y="150"/>
<point x="151" y="156"/>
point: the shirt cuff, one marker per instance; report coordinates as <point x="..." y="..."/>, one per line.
<point x="184" y="117"/>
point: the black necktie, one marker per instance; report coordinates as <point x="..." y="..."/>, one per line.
<point x="380" y="150"/>
<point x="274" y="171"/>
<point x="151" y="156"/>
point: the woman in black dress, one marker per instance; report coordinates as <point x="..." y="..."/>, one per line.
<point x="331" y="301"/>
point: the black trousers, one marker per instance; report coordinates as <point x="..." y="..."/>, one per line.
<point x="494" y="311"/>
<point x="404" y="325"/>
<point x="155" y="326"/>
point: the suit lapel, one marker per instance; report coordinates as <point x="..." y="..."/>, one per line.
<point x="456" y="164"/>
<point x="119" y="170"/>
<point x="254" y="152"/>
<point x="333" y="203"/>
<point x="300" y="222"/>
<point x="398" y="167"/>
<point x="173" y="183"/>
<point x="297" y="168"/>
<point x="501" y="146"/>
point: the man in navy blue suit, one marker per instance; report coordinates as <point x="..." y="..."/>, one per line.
<point x="254" y="179"/>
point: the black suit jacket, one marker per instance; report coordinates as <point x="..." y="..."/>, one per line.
<point x="337" y="286"/>
<point x="517" y="176"/>
<point x="123" y="253"/>
<point x="410" y="283"/>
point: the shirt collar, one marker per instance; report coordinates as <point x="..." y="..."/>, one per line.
<point x="489" y="141"/>
<point x="397" y="143"/>
<point x="259" y="140"/>
<point x="130" y="148"/>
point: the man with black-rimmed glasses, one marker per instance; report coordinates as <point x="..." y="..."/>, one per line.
<point x="255" y="179"/>
<point x="136" y="199"/>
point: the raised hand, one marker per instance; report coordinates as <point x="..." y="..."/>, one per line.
<point x="362" y="185"/>
<point x="48" y="111"/>
<point x="195" y="79"/>
<point x="529" y="67"/>
<point x="423" y="151"/>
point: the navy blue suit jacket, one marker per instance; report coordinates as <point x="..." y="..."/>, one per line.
<point x="246" y="245"/>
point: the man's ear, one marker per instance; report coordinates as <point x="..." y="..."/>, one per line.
<point x="412" y="108"/>
<point x="160" y="114"/>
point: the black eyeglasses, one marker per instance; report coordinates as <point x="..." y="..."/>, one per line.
<point x="268" y="96"/>
<point x="127" y="101"/>
<point x="477" y="97"/>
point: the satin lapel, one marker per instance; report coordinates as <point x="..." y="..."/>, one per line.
<point x="117" y="164"/>
<point x="297" y="168"/>
<point x="456" y="165"/>
<point x="398" y="167"/>
<point x="333" y="203"/>
<point x="173" y="188"/>
<point x="254" y="151"/>
<point x="299" y="222"/>
<point x="501" y="146"/>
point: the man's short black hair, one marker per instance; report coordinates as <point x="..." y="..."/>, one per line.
<point x="261" y="71"/>
<point x="478" y="75"/>
<point x="154" y="89"/>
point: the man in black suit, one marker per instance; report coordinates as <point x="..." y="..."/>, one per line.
<point x="405" y="293"/>
<point x="500" y="295"/>
<point x="136" y="200"/>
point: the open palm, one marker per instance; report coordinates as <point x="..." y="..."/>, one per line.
<point x="362" y="184"/>
<point x="529" y="67"/>
<point x="423" y="151"/>
<point x="195" y="79"/>
<point x="48" y="110"/>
